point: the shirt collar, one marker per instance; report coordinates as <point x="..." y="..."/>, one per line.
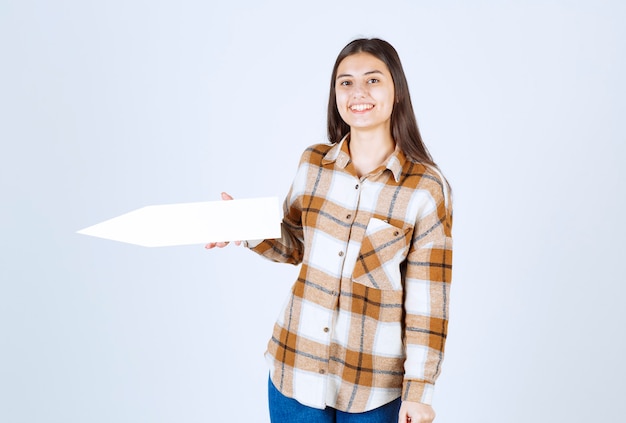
<point x="340" y="155"/>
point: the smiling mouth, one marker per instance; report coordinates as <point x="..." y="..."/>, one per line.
<point x="361" y="107"/>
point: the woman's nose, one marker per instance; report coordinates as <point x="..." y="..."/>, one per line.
<point x="359" y="90"/>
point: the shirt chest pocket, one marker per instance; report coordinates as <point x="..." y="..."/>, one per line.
<point x="383" y="249"/>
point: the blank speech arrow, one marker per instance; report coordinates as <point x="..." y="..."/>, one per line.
<point x="194" y="223"/>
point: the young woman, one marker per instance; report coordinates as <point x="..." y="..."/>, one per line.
<point x="369" y="219"/>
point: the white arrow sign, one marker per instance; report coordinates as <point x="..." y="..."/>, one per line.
<point x="194" y="223"/>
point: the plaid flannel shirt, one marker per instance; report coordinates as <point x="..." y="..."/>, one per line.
<point x="366" y="320"/>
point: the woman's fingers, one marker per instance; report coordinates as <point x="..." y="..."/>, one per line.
<point x="211" y="245"/>
<point x="414" y="412"/>
<point x="226" y="196"/>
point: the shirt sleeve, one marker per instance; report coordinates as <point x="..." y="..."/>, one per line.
<point x="427" y="288"/>
<point x="289" y="248"/>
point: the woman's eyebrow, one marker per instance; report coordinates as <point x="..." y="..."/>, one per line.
<point x="346" y="75"/>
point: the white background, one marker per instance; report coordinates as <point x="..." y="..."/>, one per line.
<point x="108" y="106"/>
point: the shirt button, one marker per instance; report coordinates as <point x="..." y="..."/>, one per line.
<point x="356" y="186"/>
<point x="326" y="330"/>
<point x="322" y="371"/>
<point x="340" y="253"/>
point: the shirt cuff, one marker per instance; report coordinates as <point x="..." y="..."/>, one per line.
<point x="418" y="391"/>
<point x="252" y="243"/>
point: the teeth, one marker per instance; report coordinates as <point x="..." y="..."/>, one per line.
<point x="361" y="107"/>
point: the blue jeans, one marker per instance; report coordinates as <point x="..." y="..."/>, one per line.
<point x="288" y="410"/>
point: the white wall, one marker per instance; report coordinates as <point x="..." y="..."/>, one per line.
<point x="110" y="106"/>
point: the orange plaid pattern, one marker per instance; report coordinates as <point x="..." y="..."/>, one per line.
<point x="366" y="320"/>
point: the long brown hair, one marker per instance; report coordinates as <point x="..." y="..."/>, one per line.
<point x="404" y="130"/>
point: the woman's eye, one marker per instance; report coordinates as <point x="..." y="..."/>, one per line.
<point x="372" y="81"/>
<point x="345" y="83"/>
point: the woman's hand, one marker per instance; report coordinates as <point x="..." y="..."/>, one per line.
<point x="415" y="412"/>
<point x="211" y="245"/>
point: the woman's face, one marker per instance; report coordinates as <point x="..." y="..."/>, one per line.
<point x="365" y="92"/>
